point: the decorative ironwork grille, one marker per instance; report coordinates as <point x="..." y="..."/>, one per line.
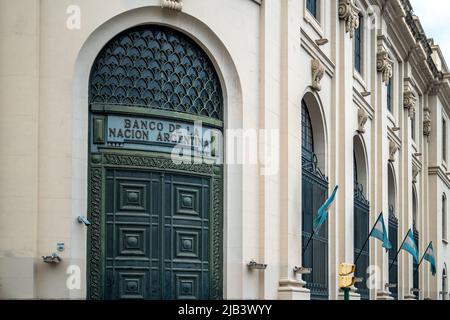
<point x="361" y="213"/>
<point x="158" y="68"/>
<point x="314" y="194"/>
<point x="393" y="237"/>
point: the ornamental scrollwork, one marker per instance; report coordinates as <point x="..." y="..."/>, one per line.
<point x="217" y="228"/>
<point x="363" y="117"/>
<point x="95" y="252"/>
<point x="385" y="65"/>
<point x="318" y="71"/>
<point x="409" y="103"/>
<point x="159" y="163"/>
<point x="172" y="4"/>
<point x="349" y="12"/>
<point x="427" y="124"/>
<point x="393" y="149"/>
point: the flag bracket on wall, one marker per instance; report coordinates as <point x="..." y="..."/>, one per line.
<point x="302" y="270"/>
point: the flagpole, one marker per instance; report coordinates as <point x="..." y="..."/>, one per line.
<point x="309" y="241"/>
<point x="314" y="230"/>
<point x="367" y="240"/>
<point x="398" y="252"/>
<point x="421" y="260"/>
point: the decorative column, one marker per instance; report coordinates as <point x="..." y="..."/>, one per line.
<point x="342" y="223"/>
<point x="383" y="153"/>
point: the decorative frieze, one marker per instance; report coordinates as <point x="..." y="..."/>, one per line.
<point x="363" y="117"/>
<point x="318" y="71"/>
<point x="393" y="149"/>
<point x="427" y="124"/>
<point x="385" y="65"/>
<point x="349" y="12"/>
<point x="172" y="4"/>
<point x="409" y="102"/>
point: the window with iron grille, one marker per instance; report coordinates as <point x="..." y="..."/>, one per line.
<point x="314" y="194"/>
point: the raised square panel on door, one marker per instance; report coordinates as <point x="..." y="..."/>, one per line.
<point x="133" y="233"/>
<point x="186" y="210"/>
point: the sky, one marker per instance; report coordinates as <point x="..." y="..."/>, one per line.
<point x="435" y="18"/>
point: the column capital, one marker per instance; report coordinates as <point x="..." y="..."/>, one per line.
<point x="349" y="12"/>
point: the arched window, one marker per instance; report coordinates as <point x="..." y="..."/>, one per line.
<point x="314" y="195"/>
<point x="444" y="217"/>
<point x="393" y="232"/>
<point x="307" y="133"/>
<point x="156" y="68"/>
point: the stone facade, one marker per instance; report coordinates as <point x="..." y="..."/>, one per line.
<point x="270" y="56"/>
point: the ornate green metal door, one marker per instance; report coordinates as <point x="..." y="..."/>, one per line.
<point x="157" y="222"/>
<point x="158" y="235"/>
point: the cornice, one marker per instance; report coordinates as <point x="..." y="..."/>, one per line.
<point x="316" y="53"/>
<point x="437" y="171"/>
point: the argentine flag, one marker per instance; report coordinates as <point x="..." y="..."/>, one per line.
<point x="322" y="213"/>
<point x="379" y="232"/>
<point x="410" y="245"/>
<point x="430" y="257"/>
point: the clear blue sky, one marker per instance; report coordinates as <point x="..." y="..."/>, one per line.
<point x="435" y="18"/>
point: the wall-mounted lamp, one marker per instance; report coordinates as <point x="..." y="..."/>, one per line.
<point x="321" y="41"/>
<point x="53" y="259"/>
<point x="418" y="154"/>
<point x="415" y="290"/>
<point x="84" y="220"/>
<point x="366" y="93"/>
<point x="253" y="265"/>
<point x="395" y="129"/>
<point x="302" y="270"/>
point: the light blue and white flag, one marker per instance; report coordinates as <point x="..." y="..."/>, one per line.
<point x="379" y="232"/>
<point x="322" y="213"/>
<point x="431" y="258"/>
<point x="410" y="245"/>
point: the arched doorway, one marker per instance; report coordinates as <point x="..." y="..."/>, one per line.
<point x="314" y="194"/>
<point x="156" y="228"/>
<point x="361" y="217"/>
<point x="393" y="232"/>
